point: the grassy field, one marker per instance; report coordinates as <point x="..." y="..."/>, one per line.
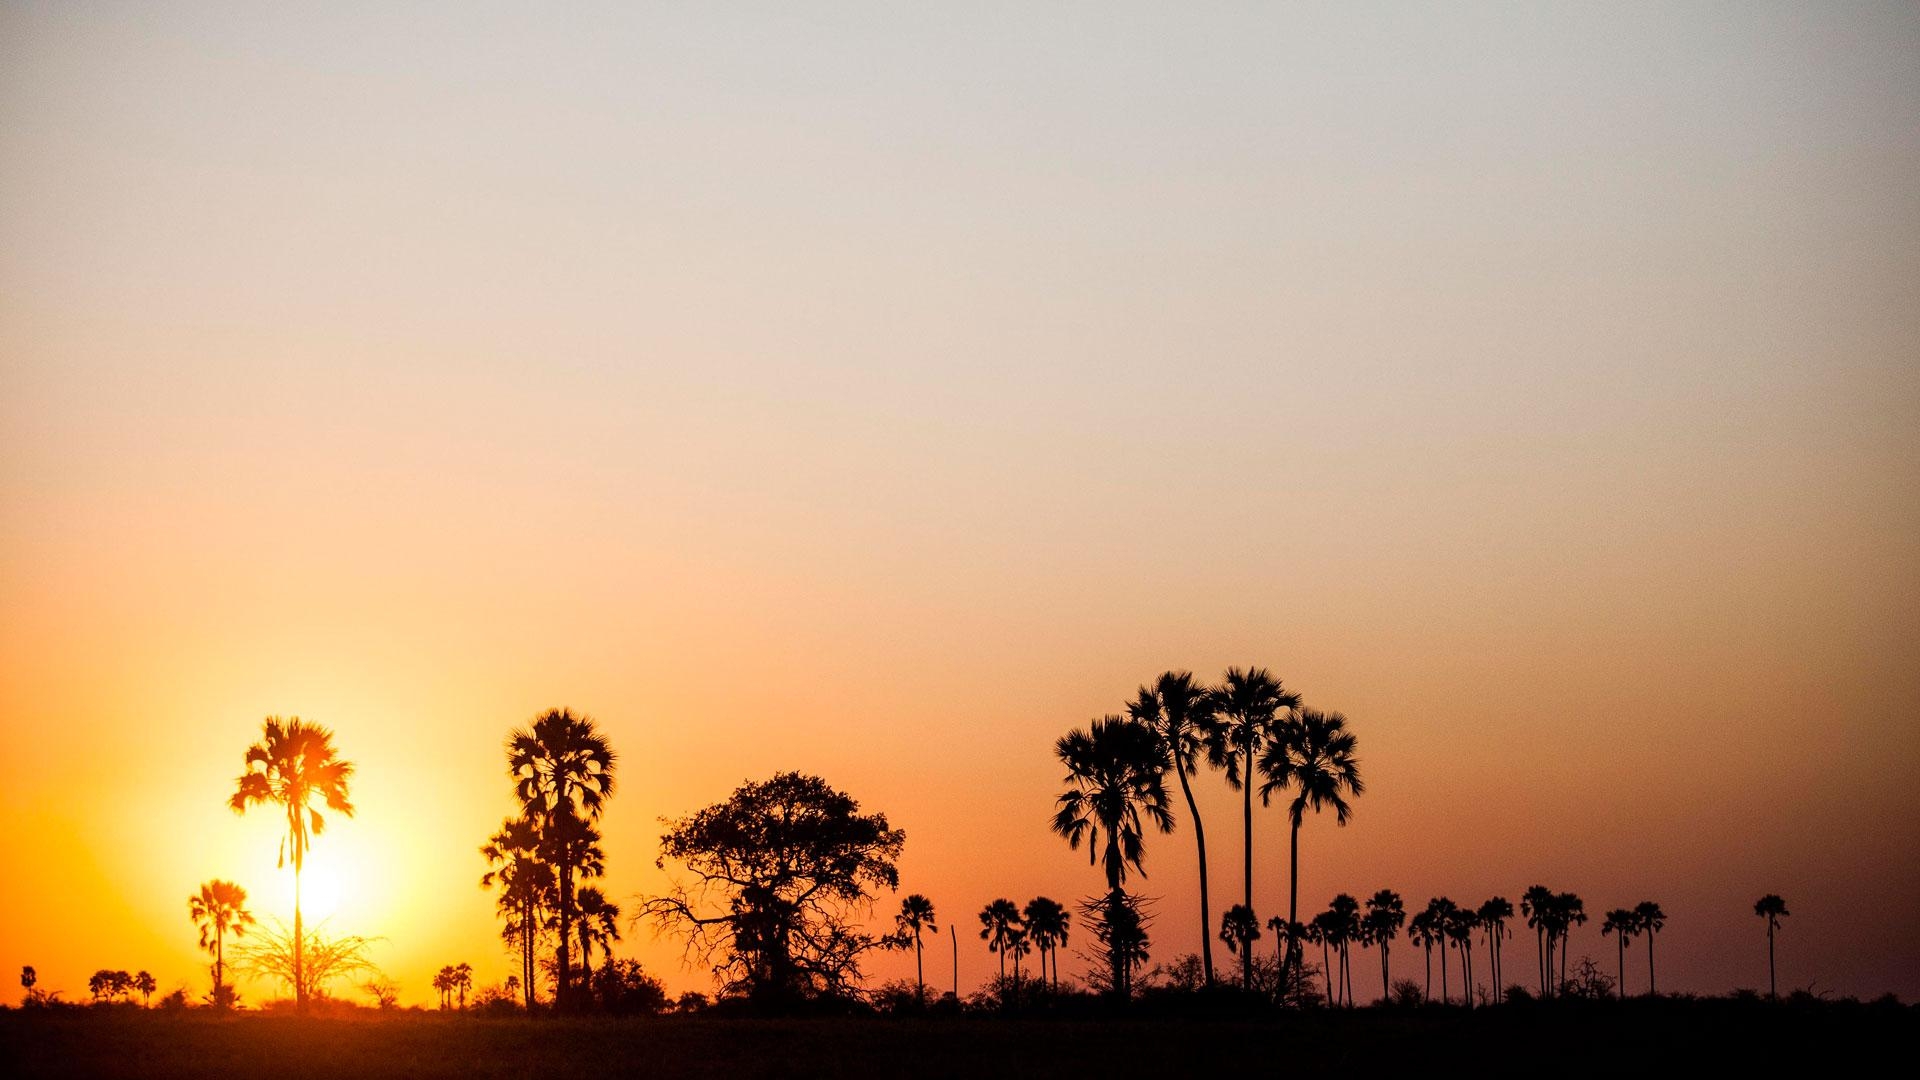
<point x="1590" y="1041"/>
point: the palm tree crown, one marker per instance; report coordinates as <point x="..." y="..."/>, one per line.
<point x="1116" y="775"/>
<point x="219" y="909"/>
<point x="293" y="764"/>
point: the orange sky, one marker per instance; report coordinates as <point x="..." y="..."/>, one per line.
<point x="879" y="397"/>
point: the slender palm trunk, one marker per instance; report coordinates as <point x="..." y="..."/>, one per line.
<point x="1650" y="990"/>
<point x="219" y="959"/>
<point x="1200" y="842"/>
<point x="1443" y="971"/>
<point x="919" y="971"/>
<point x="562" y="992"/>
<point x="1326" y="972"/>
<point x="299" y="946"/>
<point x="1386" y="988"/>
<point x="954" y="933"/>
<point x="1427" y="994"/>
<point x="1246" y="821"/>
<point x="1620" y="947"/>
<point x="1773" y="986"/>
<point x="586" y="963"/>
<point x="1466" y="965"/>
<point x="1293" y="898"/>
<point x="1563" y="963"/>
<point x="1540" y="947"/>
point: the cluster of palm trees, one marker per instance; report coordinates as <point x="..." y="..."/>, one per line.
<point x="451" y="980"/>
<point x="104" y="984"/>
<point x="562" y="769"/>
<point x="1251" y="728"/>
<point x="1009" y="929"/>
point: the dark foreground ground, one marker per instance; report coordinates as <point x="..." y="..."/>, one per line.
<point x="1613" y="1041"/>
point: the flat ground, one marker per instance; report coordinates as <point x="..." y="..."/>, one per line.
<point x="1552" y="1041"/>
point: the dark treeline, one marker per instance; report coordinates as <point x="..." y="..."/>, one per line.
<point x="773" y="889"/>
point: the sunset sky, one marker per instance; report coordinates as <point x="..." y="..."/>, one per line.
<point x="880" y="392"/>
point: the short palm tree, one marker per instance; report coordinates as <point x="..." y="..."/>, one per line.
<point x="1567" y="912"/>
<point x="294" y="765"/>
<point x="220" y="908"/>
<point x="1386" y="914"/>
<point x="1493" y="916"/>
<point x="1460" y="925"/>
<point x="1324" y="928"/>
<point x="563" y="773"/>
<point x="1651" y="921"/>
<point x="1249" y="703"/>
<point x="1239" y="929"/>
<point x="1440" y="914"/>
<point x="915" y="918"/>
<point x="1312" y="754"/>
<point x="1621" y="924"/>
<point x="1422" y="931"/>
<point x="143" y="982"/>
<point x="443" y="982"/>
<point x="526" y="892"/>
<point x="1182" y="712"/>
<point x="599" y="925"/>
<point x="463" y="982"/>
<point x="1000" y="925"/>
<point x="1771" y="908"/>
<point x="1537" y="905"/>
<point x="1047" y="923"/>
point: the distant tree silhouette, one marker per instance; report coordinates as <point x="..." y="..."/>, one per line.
<point x="1493" y="916"/>
<point x="1423" y="930"/>
<point x="1537" y="904"/>
<point x="781" y="866"/>
<point x="599" y="925"/>
<point x="526" y="890"/>
<point x="28" y="979"/>
<point x="1324" y="929"/>
<point x="1460" y="924"/>
<point x="1239" y="929"/>
<point x="1441" y="916"/>
<point x="1386" y="914"/>
<point x="1622" y="925"/>
<point x="270" y="955"/>
<point x="1249" y="702"/>
<point x="463" y="982"/>
<point x="1046" y="921"/>
<point x="293" y="765"/>
<point x="916" y="916"/>
<point x="1771" y="908"/>
<point x="143" y="982"/>
<point x="1115" y="777"/>
<point x="443" y="982"/>
<point x="1119" y="926"/>
<point x="563" y="773"/>
<point x="220" y="908"/>
<point x="1651" y="921"/>
<point x="104" y="984"/>
<point x="1000" y="927"/>
<point x="1184" y="714"/>
<point x="1346" y="911"/>
<point x="1566" y="912"/>
<point x="1311" y="754"/>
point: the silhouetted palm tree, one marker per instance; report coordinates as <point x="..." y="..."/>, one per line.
<point x="1652" y="920"/>
<point x="1240" y="928"/>
<point x="443" y="982"/>
<point x="1346" y="910"/>
<point x="1440" y="923"/>
<point x="599" y="925"/>
<point x="1249" y="704"/>
<point x="1493" y="917"/>
<point x="1047" y="922"/>
<point x="1116" y="776"/>
<point x="463" y="982"/>
<point x="1568" y="911"/>
<point x="1460" y="924"/>
<point x="1620" y="923"/>
<point x="1771" y="908"/>
<point x="526" y="891"/>
<point x="1323" y="929"/>
<point x="916" y="916"/>
<point x="292" y="765"/>
<point x="1386" y="914"/>
<point x="219" y="909"/>
<point x="1537" y="905"/>
<point x="1311" y="753"/>
<point x="563" y="772"/>
<point x="1000" y="925"/>
<point x="1182" y="713"/>
<point x="1423" y="930"/>
<point x="143" y="982"/>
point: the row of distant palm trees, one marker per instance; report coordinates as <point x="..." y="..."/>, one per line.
<point x="1251" y="728"/>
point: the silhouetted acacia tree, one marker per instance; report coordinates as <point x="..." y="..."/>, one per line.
<point x="563" y="773"/>
<point x="1182" y="713"/>
<point x="1119" y="925"/>
<point x="1650" y="921"/>
<point x="1386" y="913"/>
<point x="1312" y="754"/>
<point x="1771" y="908"/>
<point x="1249" y="704"/>
<point x="292" y="765"/>
<point x="218" y="909"/>
<point x="779" y="865"/>
<point x="1046" y="923"/>
<point x="323" y="959"/>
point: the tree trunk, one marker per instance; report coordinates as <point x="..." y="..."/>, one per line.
<point x="1620" y="947"/>
<point x="1200" y="842"/>
<point x="562" y="991"/>
<point x="1443" y="971"/>
<point x="299" y="947"/>
<point x="1427" y="994"/>
<point x="919" y="972"/>
<point x="1246" y="820"/>
<point x="1293" y="901"/>
<point x="1773" y="986"/>
<point x="1386" y="988"/>
<point x="1650" y="990"/>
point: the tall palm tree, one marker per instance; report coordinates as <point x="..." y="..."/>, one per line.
<point x="293" y="765"/>
<point x="563" y="773"/>
<point x="1183" y="713"/>
<point x="1239" y="929"/>
<point x="1282" y="934"/>
<point x="1460" y="924"/>
<point x="526" y="891"/>
<point x="1047" y="921"/>
<point x="1440" y="921"/>
<point x="1116" y="777"/>
<point x="1493" y="917"/>
<point x="1311" y="753"/>
<point x="1346" y="911"/>
<point x="1386" y="914"/>
<point x="463" y="982"/>
<point x="1568" y="912"/>
<point x="1324" y="929"/>
<point x="1622" y="925"/>
<point x="443" y="982"/>
<point x="1000" y="925"/>
<point x="1423" y="931"/>
<point x="1537" y="905"/>
<point x="1249" y="701"/>
<point x="1651" y="921"/>
<point x="599" y="925"/>
<point x="1771" y="908"/>
<point x="916" y="915"/>
<point x="220" y="908"/>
